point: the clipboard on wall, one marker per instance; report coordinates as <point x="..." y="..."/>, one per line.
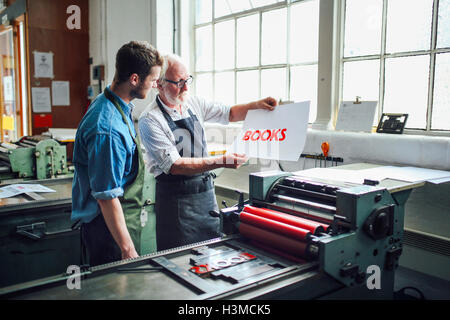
<point x="356" y="116"/>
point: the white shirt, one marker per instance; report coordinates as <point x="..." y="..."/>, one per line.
<point x="158" y="139"/>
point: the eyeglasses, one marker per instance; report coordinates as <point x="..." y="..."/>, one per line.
<point x="180" y="84"/>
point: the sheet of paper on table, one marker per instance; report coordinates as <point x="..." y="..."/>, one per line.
<point x="408" y="174"/>
<point x="16" y="189"/>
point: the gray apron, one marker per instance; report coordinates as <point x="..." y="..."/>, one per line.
<point x="183" y="202"/>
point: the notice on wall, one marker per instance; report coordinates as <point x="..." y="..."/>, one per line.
<point x="276" y="135"/>
<point x="8" y="89"/>
<point x="43" y="64"/>
<point x="356" y="116"/>
<point x="41" y="100"/>
<point x="7" y="122"/>
<point x="60" y="93"/>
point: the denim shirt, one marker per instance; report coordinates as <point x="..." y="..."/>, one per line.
<point x="104" y="156"/>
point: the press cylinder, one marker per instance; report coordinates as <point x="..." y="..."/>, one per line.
<point x="312" y="226"/>
<point x="295" y="247"/>
<point x="275" y="226"/>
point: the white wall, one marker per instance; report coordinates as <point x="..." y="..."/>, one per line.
<point x="116" y="22"/>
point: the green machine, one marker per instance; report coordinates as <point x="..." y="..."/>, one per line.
<point x="347" y="248"/>
<point x="37" y="237"/>
<point x="33" y="158"/>
<point x="366" y="222"/>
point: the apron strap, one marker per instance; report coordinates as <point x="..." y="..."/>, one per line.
<point x="136" y="139"/>
<point x="168" y="118"/>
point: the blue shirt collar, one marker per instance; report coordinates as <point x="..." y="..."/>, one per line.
<point x="126" y="108"/>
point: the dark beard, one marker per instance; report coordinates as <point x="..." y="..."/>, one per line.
<point x="137" y="93"/>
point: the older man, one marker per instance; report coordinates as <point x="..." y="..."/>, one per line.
<point x="173" y="135"/>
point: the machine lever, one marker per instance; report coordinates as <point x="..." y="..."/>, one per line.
<point x="29" y="234"/>
<point x="241" y="199"/>
<point x="214" y="214"/>
<point x="37" y="231"/>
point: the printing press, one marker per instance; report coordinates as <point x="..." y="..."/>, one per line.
<point x="33" y="158"/>
<point x="294" y="238"/>
<point x="36" y="235"/>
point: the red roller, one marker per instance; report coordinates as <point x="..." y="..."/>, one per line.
<point x="310" y="225"/>
<point x="277" y="252"/>
<point x="325" y="227"/>
<point x="274" y="240"/>
<point x="275" y="226"/>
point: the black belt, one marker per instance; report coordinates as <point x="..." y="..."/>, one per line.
<point x="179" y="178"/>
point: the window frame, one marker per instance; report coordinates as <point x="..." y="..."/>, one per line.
<point x="383" y="56"/>
<point x="330" y="60"/>
<point x="259" y="67"/>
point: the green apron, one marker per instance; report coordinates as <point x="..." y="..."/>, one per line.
<point x="138" y="199"/>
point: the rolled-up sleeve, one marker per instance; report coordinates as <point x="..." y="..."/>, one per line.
<point x="162" y="151"/>
<point x="106" y="167"/>
<point x="215" y="112"/>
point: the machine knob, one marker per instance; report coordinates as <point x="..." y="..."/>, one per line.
<point x="379" y="224"/>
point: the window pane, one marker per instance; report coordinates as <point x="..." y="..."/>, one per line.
<point x="224" y="45"/>
<point x="203" y="48"/>
<point x="304" y="32"/>
<point x="203" y="9"/>
<point x="441" y="100"/>
<point x="247" y="86"/>
<point x="273" y="83"/>
<point x="239" y="5"/>
<point x="248" y="41"/>
<point x="262" y="3"/>
<point x="408" y="25"/>
<point x="406" y="88"/>
<point x="443" y="36"/>
<point x="204" y="86"/>
<point x="361" y="78"/>
<point x="274" y="37"/>
<point x="225" y="7"/>
<point x="224" y="87"/>
<point x="221" y="8"/>
<point x="362" y="27"/>
<point x="304" y="87"/>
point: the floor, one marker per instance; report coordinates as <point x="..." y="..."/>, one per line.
<point x="432" y="288"/>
